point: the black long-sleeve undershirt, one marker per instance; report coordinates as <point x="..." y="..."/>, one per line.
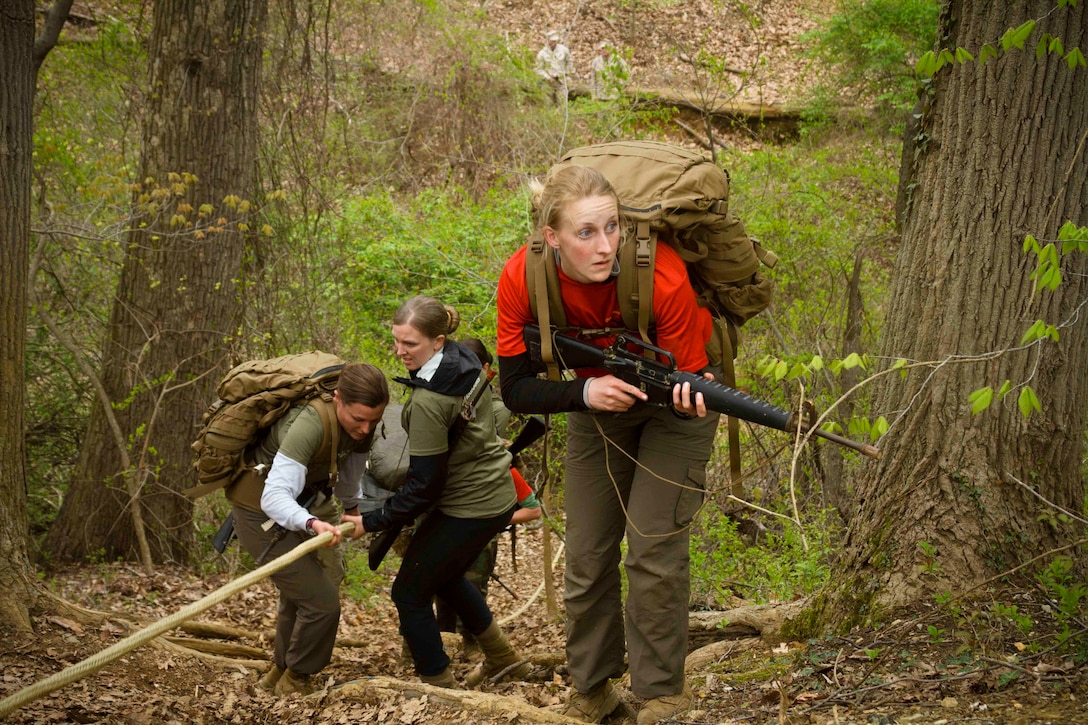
<point x="524" y="392"/>
<point x="426" y="481"/>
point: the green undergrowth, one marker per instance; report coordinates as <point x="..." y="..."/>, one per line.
<point x="782" y="563"/>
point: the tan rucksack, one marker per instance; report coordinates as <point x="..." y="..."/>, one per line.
<point x="666" y="193"/>
<point x="672" y="194"/>
<point x="252" y="397"/>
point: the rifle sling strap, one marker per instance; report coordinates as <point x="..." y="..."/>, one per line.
<point x="732" y="422"/>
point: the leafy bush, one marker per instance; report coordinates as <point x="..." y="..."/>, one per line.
<point x="866" y="52"/>
<point x="779" y="565"/>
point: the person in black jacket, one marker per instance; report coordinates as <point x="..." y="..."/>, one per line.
<point x="459" y="470"/>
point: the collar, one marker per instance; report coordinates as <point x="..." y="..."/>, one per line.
<point x="428" y="369"/>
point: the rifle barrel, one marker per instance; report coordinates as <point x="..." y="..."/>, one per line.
<point x="572" y="352"/>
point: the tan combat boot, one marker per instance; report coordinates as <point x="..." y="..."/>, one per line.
<point x="293" y="683"/>
<point x="498" y="655"/>
<point x="268" y="681"/>
<point x="593" y="706"/>
<point x="442" y="679"/>
<point x="664" y="708"/>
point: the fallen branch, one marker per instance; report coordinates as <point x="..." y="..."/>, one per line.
<point x="101" y="659"/>
<point x="211" y="659"/>
<point x="220" y="649"/>
<point x="381" y="689"/>
<point x="716" y="651"/>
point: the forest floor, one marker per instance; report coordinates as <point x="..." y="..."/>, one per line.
<point x="931" y="665"/>
<point x="921" y="668"/>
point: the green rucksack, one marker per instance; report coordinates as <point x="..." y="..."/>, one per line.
<point x="672" y="194"/>
<point x="252" y="397"/>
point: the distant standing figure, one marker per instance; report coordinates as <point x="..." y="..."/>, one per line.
<point x="555" y="65"/>
<point x="609" y="73"/>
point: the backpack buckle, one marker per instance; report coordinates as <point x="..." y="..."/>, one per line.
<point x="642" y="244"/>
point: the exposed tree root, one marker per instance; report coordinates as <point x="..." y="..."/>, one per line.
<point x="210" y="659"/>
<point x="701" y="658"/>
<point x="215" y="630"/>
<point x="764" y="620"/>
<point x="222" y="649"/>
<point x="380" y="689"/>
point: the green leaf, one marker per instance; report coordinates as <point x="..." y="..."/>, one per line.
<point x="1054" y="280"/>
<point x="926" y="65"/>
<point x="780" y="370"/>
<point x="1056" y="46"/>
<point x="1004" y="389"/>
<point x="945" y="58"/>
<point x="1034" y="332"/>
<point x="1016" y="37"/>
<point x="880" y="427"/>
<point x="851" y="361"/>
<point x="1030" y="244"/>
<point x="1075" y="58"/>
<point x="816" y="363"/>
<point x="1071" y="231"/>
<point x="962" y="56"/>
<point x="797" y="371"/>
<point x="1028" y="402"/>
<point x="859" y="426"/>
<point x="1041" y="46"/>
<point x="987" y="52"/>
<point x="980" y="399"/>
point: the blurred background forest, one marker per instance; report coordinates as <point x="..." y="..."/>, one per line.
<point x="396" y="139"/>
<point x="390" y="149"/>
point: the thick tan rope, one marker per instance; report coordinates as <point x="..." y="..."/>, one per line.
<point x="97" y="661"/>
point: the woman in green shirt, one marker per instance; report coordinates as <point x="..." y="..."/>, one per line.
<point x="459" y="476"/>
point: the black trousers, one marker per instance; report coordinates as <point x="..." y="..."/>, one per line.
<point x="441" y="551"/>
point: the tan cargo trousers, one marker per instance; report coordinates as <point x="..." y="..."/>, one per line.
<point x="661" y="493"/>
<point x="309" y="606"/>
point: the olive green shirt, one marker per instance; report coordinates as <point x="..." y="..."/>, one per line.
<point x="478" y="483"/>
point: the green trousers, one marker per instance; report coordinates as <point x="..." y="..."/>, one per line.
<point x="647" y="482"/>
<point x="308" y="613"/>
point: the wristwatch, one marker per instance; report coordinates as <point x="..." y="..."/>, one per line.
<point x="310" y="525"/>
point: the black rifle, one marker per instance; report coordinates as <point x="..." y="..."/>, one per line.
<point x="225" y="533"/>
<point x="657" y="379"/>
<point x="529" y="434"/>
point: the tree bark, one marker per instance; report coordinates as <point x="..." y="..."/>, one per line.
<point x="178" y="302"/>
<point x="16" y="150"/>
<point x="1004" y="156"/>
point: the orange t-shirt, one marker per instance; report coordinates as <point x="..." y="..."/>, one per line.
<point x="683" y="328"/>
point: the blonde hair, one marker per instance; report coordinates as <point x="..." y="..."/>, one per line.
<point x="428" y="315"/>
<point x="565" y="186"/>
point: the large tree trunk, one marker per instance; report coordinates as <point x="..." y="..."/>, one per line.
<point x="178" y="302"/>
<point x="16" y="147"/>
<point x="1005" y="156"/>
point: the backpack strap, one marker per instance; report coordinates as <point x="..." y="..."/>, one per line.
<point x="325" y="408"/>
<point x="203" y="489"/>
<point x="545" y="302"/>
<point x="635" y="284"/>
